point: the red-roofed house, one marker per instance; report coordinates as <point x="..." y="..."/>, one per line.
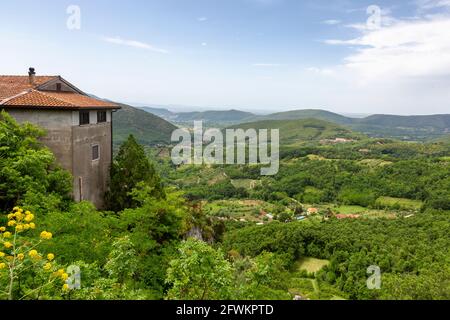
<point x="79" y="127"/>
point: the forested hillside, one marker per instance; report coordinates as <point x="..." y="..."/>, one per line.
<point x="146" y="127"/>
<point x="294" y="132"/>
<point x="224" y="232"/>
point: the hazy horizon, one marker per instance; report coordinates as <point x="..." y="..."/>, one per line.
<point x="184" y="108"/>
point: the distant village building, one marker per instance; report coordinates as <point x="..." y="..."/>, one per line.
<point x="312" y="211"/>
<point x="79" y="127"/>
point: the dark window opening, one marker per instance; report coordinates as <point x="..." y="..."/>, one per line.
<point x="58" y="87"/>
<point x="84" y="117"/>
<point x="95" y="152"/>
<point x="101" y="116"/>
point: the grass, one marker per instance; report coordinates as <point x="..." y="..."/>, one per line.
<point x="311" y="265"/>
<point x="248" y="184"/>
<point x="398" y="203"/>
<point x="351" y="209"/>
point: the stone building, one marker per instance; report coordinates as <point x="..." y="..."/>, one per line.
<point x="79" y="127"/>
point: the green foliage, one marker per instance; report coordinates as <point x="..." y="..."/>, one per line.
<point x="130" y="167"/>
<point x="411" y="262"/>
<point x="122" y="261"/>
<point x="83" y="233"/>
<point x="154" y="228"/>
<point x="199" y="273"/>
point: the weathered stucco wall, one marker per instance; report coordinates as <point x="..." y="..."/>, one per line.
<point x="91" y="176"/>
<point x="58" y="126"/>
<point x="72" y="145"/>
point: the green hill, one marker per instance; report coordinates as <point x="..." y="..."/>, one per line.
<point x="293" y="132"/>
<point x="214" y="116"/>
<point x="147" y="128"/>
<point x="307" y="114"/>
<point x="404" y="127"/>
<point x="400" y="127"/>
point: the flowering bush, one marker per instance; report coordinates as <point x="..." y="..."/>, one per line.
<point x="26" y="273"/>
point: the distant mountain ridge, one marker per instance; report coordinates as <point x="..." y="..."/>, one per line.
<point x="422" y="127"/>
<point x="214" y="116"/>
<point x="306" y="114"/>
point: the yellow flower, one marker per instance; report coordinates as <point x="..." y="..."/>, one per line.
<point x="50" y="257"/>
<point x="2" y="265"/>
<point x="8" y="244"/>
<point x="64" y="276"/>
<point x="46" y="235"/>
<point x="29" y="217"/>
<point x="19" y="227"/>
<point x="19" y="216"/>
<point x="7" y="234"/>
<point x="2" y="254"/>
<point x="33" y="253"/>
<point x="2" y="229"/>
<point x="16" y="209"/>
<point x="47" y="266"/>
<point x="11" y="216"/>
<point x="20" y="256"/>
<point x="20" y="210"/>
<point x="11" y="223"/>
<point x="32" y="225"/>
<point x="65" y="287"/>
<point x="60" y="272"/>
<point x="27" y="212"/>
<point x="9" y="258"/>
<point x="26" y="226"/>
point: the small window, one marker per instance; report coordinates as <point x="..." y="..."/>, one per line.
<point x="95" y="152"/>
<point x="101" y="116"/>
<point x="84" y="117"/>
<point x="58" y="87"/>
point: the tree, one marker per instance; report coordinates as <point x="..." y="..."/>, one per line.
<point x="199" y="273"/>
<point x="26" y="167"/>
<point x="130" y="167"/>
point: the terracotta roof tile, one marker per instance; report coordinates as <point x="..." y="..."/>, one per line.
<point x="66" y="100"/>
<point x="16" y="91"/>
<point x="13" y="85"/>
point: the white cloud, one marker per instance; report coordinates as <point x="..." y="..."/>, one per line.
<point x="331" y="22"/>
<point x="202" y="19"/>
<point x="134" y="44"/>
<point x="405" y="49"/>
<point x="431" y="4"/>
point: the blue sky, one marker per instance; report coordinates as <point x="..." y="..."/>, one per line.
<point x="270" y="55"/>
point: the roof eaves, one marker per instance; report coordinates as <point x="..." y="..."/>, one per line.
<point x="2" y="102"/>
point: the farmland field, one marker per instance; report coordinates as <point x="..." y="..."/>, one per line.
<point x="311" y="265"/>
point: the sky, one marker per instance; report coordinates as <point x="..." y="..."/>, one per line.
<point x="352" y="56"/>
